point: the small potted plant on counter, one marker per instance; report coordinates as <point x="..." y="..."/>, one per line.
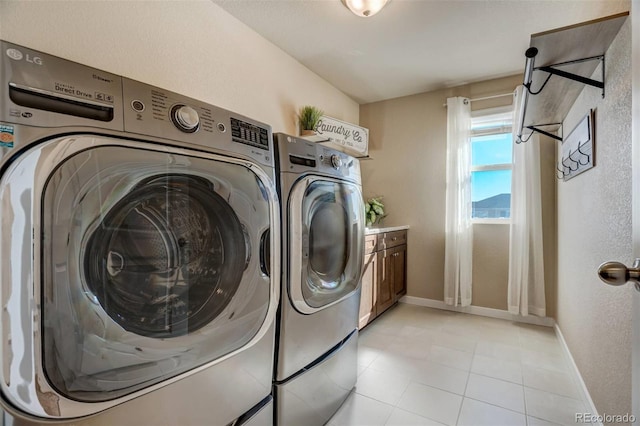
<point x="308" y="118"/>
<point x="374" y="211"/>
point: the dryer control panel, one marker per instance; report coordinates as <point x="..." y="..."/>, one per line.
<point x="301" y="156"/>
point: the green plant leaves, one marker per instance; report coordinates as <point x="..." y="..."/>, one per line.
<point x="374" y="211"/>
<point x="308" y="117"/>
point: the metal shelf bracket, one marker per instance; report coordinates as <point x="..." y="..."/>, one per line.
<point x="556" y="51"/>
<point x="536" y="128"/>
<point x="552" y="70"/>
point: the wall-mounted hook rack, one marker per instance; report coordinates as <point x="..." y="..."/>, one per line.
<point x="547" y="99"/>
<point x="578" y="149"/>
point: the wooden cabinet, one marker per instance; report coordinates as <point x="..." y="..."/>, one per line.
<point x="386" y="294"/>
<point x="398" y="257"/>
<point x="368" y="292"/>
<point x="384" y="276"/>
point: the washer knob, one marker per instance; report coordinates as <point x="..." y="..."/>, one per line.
<point x="185" y="118"/>
<point x="336" y="161"/>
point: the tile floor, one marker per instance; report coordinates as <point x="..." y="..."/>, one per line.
<point x="421" y="366"/>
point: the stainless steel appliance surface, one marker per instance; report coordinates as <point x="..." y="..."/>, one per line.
<point x="137" y="281"/>
<point x="322" y="253"/>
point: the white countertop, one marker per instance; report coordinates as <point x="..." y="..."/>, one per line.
<point x="370" y="231"/>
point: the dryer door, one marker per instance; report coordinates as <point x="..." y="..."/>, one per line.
<point x="326" y="238"/>
<point x="150" y="262"/>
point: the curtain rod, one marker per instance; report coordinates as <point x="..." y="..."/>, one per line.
<point x="484" y="98"/>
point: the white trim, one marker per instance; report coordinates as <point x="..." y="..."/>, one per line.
<point x="491" y="221"/>
<point x="586" y="397"/>
<point x="492" y="167"/>
<point x="478" y="310"/>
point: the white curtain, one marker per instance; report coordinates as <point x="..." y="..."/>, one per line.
<point x="458" y="230"/>
<point x="526" y="263"/>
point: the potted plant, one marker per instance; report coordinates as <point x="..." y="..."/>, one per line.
<point x="308" y="118"/>
<point x="374" y="211"/>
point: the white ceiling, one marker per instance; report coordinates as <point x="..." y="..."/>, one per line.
<point x="411" y="46"/>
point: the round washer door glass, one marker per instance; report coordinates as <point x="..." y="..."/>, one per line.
<point x="167" y="258"/>
<point x="154" y="263"/>
<point x="332" y="232"/>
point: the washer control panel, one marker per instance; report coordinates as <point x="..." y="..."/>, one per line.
<point x="42" y="90"/>
<point x="185" y="118"/>
<point x="157" y="112"/>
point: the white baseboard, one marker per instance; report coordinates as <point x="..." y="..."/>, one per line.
<point x="586" y="397"/>
<point x="478" y="310"/>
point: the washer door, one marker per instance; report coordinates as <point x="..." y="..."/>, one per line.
<point x="327" y="230"/>
<point x="167" y="258"/>
<point x="150" y="262"/>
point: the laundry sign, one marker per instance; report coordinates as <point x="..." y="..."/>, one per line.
<point x="353" y="139"/>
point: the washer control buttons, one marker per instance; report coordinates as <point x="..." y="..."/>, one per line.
<point x="137" y="105"/>
<point x="336" y="161"/>
<point x="222" y="127"/>
<point x="185" y="118"/>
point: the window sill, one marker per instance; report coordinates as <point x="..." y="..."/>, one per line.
<point x="491" y="221"/>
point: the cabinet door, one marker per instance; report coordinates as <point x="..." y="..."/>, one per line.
<point x="386" y="293"/>
<point x="368" y="290"/>
<point x="370" y="243"/>
<point x="399" y="267"/>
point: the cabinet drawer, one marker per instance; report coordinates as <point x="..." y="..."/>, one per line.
<point x="370" y="243"/>
<point x="392" y="239"/>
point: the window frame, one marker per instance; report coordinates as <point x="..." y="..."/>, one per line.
<point x="503" y="117"/>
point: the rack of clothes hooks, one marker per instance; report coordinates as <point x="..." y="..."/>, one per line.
<point x="578" y="149"/>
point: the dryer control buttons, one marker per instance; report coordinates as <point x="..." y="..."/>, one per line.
<point x="336" y="161"/>
<point x="185" y="118"/>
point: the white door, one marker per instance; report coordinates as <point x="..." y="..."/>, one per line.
<point x="635" y="132"/>
<point x="616" y="273"/>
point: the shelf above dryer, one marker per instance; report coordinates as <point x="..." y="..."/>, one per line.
<point x="559" y="63"/>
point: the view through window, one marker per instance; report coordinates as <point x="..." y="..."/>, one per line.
<point x="491" y="164"/>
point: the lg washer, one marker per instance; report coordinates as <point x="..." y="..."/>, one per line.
<point x="137" y="283"/>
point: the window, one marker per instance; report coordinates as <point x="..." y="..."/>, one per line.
<point x="491" y="163"/>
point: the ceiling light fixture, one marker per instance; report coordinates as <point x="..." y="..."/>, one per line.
<point x="365" y="8"/>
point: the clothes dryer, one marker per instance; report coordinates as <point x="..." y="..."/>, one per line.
<point x="136" y="282"/>
<point x="323" y="248"/>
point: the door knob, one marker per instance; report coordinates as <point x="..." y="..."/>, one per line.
<point x="616" y="273"/>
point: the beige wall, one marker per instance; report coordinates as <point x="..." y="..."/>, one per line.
<point x="490" y="265"/>
<point x="408" y="151"/>
<point x="594" y="226"/>
<point x="191" y="47"/>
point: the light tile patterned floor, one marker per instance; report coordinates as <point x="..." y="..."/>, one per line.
<point x="421" y="366"/>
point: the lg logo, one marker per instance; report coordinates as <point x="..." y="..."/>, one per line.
<point x="14" y="54"/>
<point x="18" y="56"/>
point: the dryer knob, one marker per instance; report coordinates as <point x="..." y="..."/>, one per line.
<point x="185" y="118"/>
<point x="336" y="161"/>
